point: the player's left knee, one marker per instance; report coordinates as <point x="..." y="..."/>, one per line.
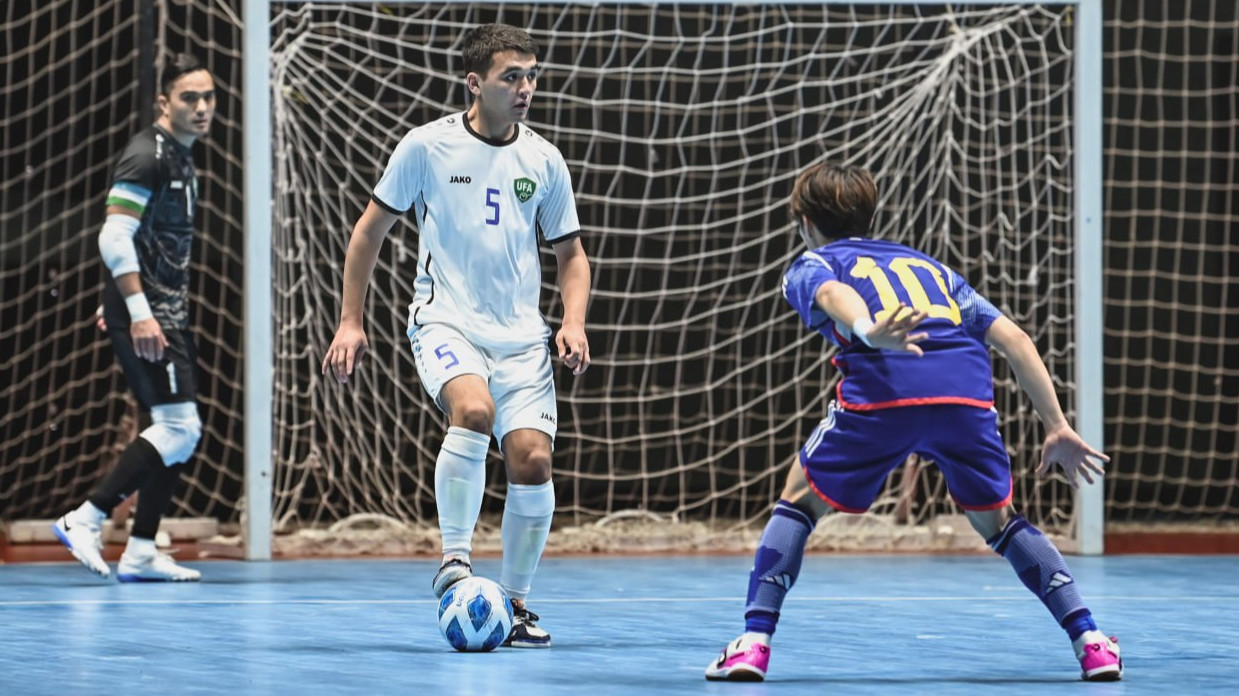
<point x="988" y="523"/>
<point x="175" y="431"/>
<point x="527" y="456"/>
<point x="531" y="468"/>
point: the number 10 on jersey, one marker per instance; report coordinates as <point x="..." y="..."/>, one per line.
<point x="918" y="295"/>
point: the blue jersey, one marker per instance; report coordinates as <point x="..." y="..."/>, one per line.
<point x="955" y="368"/>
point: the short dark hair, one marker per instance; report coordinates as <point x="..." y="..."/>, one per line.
<point x="483" y="42"/>
<point x="839" y="199"/>
<point x="180" y="64"/>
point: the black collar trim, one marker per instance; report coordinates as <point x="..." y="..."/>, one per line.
<point x="516" y="131"/>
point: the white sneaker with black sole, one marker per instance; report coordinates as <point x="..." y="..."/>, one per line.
<point x="525" y="631"/>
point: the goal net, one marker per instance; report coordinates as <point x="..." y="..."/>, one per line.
<point x="1172" y="339"/>
<point x="683" y="126"/>
<point x="71" y="81"/>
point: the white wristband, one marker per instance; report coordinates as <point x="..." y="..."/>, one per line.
<point x="139" y="308"/>
<point x="860" y="329"/>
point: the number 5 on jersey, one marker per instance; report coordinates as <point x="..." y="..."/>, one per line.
<point x="492" y="202"/>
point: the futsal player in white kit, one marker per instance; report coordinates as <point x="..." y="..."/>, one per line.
<point x="483" y="188"/>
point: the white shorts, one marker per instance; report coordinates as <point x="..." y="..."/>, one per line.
<point x="521" y="383"/>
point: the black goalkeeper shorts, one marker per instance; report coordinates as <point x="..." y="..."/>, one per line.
<point x="173" y="379"/>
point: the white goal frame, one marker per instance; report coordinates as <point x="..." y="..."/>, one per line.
<point x="258" y="220"/>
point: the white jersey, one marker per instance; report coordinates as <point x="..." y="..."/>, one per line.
<point x="480" y="205"/>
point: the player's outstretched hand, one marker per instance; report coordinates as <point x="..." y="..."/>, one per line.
<point x="894" y="331"/>
<point x="148" y="339"/>
<point x="573" y="347"/>
<point x="1067" y="449"/>
<point x="347" y="349"/>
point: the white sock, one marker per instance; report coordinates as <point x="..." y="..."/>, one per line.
<point x="139" y="547"/>
<point x="460" y="483"/>
<point x="750" y="637"/>
<point x="89" y="514"/>
<point x="1089" y="637"/>
<point x="526" y="525"/>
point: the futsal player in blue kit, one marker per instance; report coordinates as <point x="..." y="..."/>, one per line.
<point x="916" y="378"/>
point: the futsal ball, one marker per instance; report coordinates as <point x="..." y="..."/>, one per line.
<point x="475" y="615"/>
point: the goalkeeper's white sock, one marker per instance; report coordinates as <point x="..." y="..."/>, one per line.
<point x="88" y="513"/>
<point x="141" y="548"/>
<point x="460" y="482"/>
<point x="526" y="525"/>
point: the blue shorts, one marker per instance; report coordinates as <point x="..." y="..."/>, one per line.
<point x="850" y="453"/>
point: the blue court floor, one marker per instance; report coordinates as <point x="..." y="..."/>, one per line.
<point x="881" y="625"/>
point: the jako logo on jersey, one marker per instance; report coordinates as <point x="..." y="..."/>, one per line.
<point x="548" y="417"/>
<point x="460" y="180"/>
<point x="524" y="188"/>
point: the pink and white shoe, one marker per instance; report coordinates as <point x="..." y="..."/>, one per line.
<point x="1099" y="657"/>
<point x="744" y="659"/>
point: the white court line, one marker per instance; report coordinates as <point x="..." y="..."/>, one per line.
<point x="1093" y="599"/>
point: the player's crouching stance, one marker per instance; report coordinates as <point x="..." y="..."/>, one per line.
<point x="929" y="393"/>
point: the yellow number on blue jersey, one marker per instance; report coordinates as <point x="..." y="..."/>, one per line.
<point x="918" y="297"/>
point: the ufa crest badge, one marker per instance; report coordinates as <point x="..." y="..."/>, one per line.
<point x="524" y="188"/>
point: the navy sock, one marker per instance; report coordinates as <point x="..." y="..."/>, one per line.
<point x="1078" y="622"/>
<point x="1043" y="571"/>
<point x="776" y="565"/>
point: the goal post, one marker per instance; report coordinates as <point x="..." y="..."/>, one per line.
<point x="266" y="103"/>
<point x="1089" y="237"/>
<point x="258" y="320"/>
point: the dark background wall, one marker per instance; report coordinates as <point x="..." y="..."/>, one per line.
<point x="1172" y="248"/>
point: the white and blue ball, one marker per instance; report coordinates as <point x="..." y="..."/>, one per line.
<point x="475" y="615"/>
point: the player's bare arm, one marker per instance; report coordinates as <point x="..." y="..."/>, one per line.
<point x="574" y="281"/>
<point x="1063" y="445"/>
<point x="894" y="332"/>
<point x="350" y="344"/>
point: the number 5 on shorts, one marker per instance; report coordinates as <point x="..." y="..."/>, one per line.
<point x="443" y="354"/>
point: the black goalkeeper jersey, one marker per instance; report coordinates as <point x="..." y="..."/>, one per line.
<point x="154" y="177"/>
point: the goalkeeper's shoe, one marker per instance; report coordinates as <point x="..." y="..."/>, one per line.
<point x="155" y="567"/>
<point x="744" y="659"/>
<point x="1099" y="656"/>
<point x="84" y="539"/>
<point x="452" y="571"/>
<point x="526" y="633"/>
